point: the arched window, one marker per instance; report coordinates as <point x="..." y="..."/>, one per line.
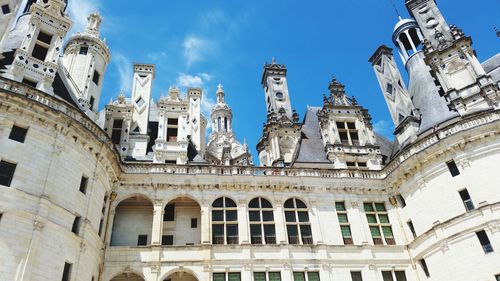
<point x="298" y="227"/>
<point x="260" y="213"/>
<point x="224" y="221"/>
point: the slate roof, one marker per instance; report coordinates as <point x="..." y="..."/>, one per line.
<point x="311" y="148"/>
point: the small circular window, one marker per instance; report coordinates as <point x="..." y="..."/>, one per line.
<point x="279" y="96"/>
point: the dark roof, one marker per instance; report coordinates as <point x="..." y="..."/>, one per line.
<point x="311" y="148"/>
<point x="61" y="91"/>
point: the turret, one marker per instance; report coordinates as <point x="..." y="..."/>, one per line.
<point x="86" y="57"/>
<point x="276" y="88"/>
<point x="34" y="44"/>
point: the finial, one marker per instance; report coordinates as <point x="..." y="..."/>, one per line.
<point x="273" y="61"/>
<point x="220" y="93"/>
<point x="396" y="9"/>
<point x="93" y="23"/>
<point x="220" y="88"/>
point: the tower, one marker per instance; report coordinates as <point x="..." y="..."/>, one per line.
<point x="425" y="92"/>
<point x="86" y="57"/>
<point x="197" y="121"/>
<point x="453" y="63"/>
<point x="144" y="75"/>
<point x="395" y="94"/>
<point x="33" y="46"/>
<point x="9" y="9"/>
<point x="281" y="131"/>
<point x="223" y="148"/>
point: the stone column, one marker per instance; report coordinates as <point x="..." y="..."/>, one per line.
<point x="243" y="231"/>
<point x="279" y="221"/>
<point x="156" y="231"/>
<point x="205" y="222"/>
<point x="317" y="234"/>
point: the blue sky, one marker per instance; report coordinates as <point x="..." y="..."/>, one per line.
<point x="203" y="43"/>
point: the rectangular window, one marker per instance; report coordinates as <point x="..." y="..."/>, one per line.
<point x="91" y="102"/>
<point x="42" y="45"/>
<point x="83" y="184"/>
<point x="345" y="227"/>
<point x="30" y="82"/>
<point x="7" y="170"/>
<point x="194" y="223"/>
<point x="299" y="276"/>
<point x="453" y="168"/>
<point x="18" y="134"/>
<point x="76" y="225"/>
<point x="412" y="228"/>
<point x="167" y="240"/>
<point x="172" y="126"/>
<point x="378" y="221"/>
<point x="101" y="224"/>
<point x="142" y="240"/>
<point x="169" y="214"/>
<point x="469" y="205"/>
<point x="84" y="50"/>
<point x="66" y="272"/>
<point x="485" y="241"/>
<point x="266" y="276"/>
<point x="423" y="264"/>
<point x="116" y="133"/>
<point x="96" y="77"/>
<point x="393" y="276"/>
<point x="348" y="133"/>
<point x="228" y="276"/>
<point x="5" y="9"/>
<point x="401" y="200"/>
<point x="356" y="276"/>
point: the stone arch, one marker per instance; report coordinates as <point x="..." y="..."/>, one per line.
<point x="136" y="211"/>
<point x="128" y="276"/>
<point x="187" y="195"/>
<point x="180" y="274"/>
<point x="181" y="222"/>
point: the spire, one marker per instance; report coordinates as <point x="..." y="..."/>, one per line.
<point x="337" y="94"/>
<point x="497" y="31"/>
<point x="93" y="24"/>
<point x="220" y="94"/>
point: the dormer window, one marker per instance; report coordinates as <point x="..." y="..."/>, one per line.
<point x="348" y="133"/>
<point x="42" y="44"/>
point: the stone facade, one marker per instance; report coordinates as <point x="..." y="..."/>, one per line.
<point x="147" y="199"/>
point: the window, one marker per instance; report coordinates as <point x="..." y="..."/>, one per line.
<point x="453" y="168"/>
<point x="378" y="221"/>
<point x="18" y="134"/>
<point x="266" y="276"/>
<point x="348" y="133"/>
<point x="228" y="276"/>
<point x="356" y="165"/>
<point x="310" y="276"/>
<point x="101" y="224"/>
<point x="297" y="222"/>
<point x="262" y="230"/>
<point x="142" y="240"/>
<point x="464" y="194"/>
<point x="29" y="82"/>
<point x="83" y="184"/>
<point x="66" y="271"/>
<point x="394" y="275"/>
<point x="84" y="50"/>
<point x="194" y="223"/>
<point x="76" y="225"/>
<point x="423" y="264"/>
<point x="91" y="102"/>
<point x="116" y="133"/>
<point x="497" y="277"/>
<point x="7" y="170"/>
<point x="345" y="227"/>
<point x="172" y="126"/>
<point x="224" y="221"/>
<point x="5" y="9"/>
<point x="169" y="214"/>
<point x="356" y="276"/>
<point x="485" y="241"/>
<point x="167" y="240"/>
<point x="401" y="200"/>
<point x="412" y="228"/>
<point x="96" y="77"/>
<point x="42" y="45"/>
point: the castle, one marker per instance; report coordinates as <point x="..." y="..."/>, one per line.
<point x="137" y="191"/>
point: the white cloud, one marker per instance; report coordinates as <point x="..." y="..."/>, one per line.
<point x="186" y="80"/>
<point x="79" y="11"/>
<point x="384" y="128"/>
<point x="195" y="49"/>
<point x="124" y="67"/>
<point x="156" y="57"/>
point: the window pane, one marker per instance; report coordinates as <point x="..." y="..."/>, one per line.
<point x="274" y="276"/>
<point x="265" y="203"/>
<point x="387" y="231"/>
<point x="232" y="229"/>
<point x="230" y="203"/>
<point x="218" y="204"/>
<point x="380" y="207"/>
<point x="18" y="134"/>
<point x="387" y="276"/>
<point x="356" y="276"/>
<point x="219" y="277"/>
<point x="218" y="229"/>
<point x="313" y="276"/>
<point x="255" y="230"/>
<point x="254" y="203"/>
<point x="368" y="207"/>
<point x="234" y="276"/>
<point x="400" y="276"/>
<point x="305" y="230"/>
<point x="6" y="172"/>
<point x="340" y="125"/>
<point x="254" y="215"/>
<point x="217" y="215"/>
<point x="300" y="204"/>
<point x="303" y="216"/>
<point x="343" y="218"/>
<point x="289" y="203"/>
<point x="351" y="125"/>
<point x="346" y="231"/>
<point x="259" y="276"/>
<point x="299" y="276"/>
<point x="231" y="215"/>
<point x="290" y="216"/>
<point x="375" y="231"/>
<point x="371" y="218"/>
<point x="383" y="218"/>
<point x="340" y="206"/>
<point x="267" y="216"/>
